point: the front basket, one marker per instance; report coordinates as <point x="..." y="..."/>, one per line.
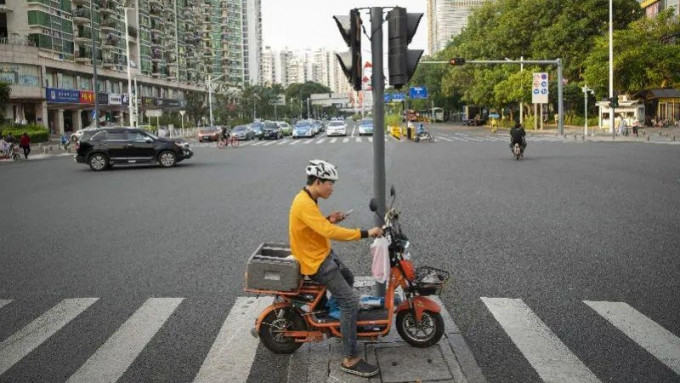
<point x="430" y="280"/>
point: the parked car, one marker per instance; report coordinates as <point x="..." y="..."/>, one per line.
<point x="208" y="133"/>
<point x="256" y="127"/>
<point x="75" y="136"/>
<point x="242" y="133"/>
<point x="286" y="128"/>
<point x="270" y="130"/>
<point x="303" y="129"/>
<point x="336" y="128"/>
<point x="112" y="146"/>
<point x="366" y="127"/>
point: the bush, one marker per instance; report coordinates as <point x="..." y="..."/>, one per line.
<point x="37" y="133"/>
<point x="393" y="120"/>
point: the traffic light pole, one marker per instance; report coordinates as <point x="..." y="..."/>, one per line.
<point x="378" y="83"/>
<point x="560" y="86"/>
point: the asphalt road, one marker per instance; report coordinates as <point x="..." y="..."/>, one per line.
<point x="571" y="222"/>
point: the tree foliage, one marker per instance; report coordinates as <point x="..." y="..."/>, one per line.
<point x="5" y="93"/>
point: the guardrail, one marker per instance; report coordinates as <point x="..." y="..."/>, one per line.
<point x="17" y="40"/>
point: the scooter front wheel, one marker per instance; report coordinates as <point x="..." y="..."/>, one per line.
<point x="424" y="334"/>
<point x="273" y="326"/>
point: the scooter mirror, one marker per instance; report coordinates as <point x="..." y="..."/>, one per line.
<point x="392" y="191"/>
<point x="373" y="205"/>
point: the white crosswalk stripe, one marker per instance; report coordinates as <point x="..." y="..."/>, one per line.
<point x="358" y="139"/>
<point x="4" y="302"/>
<point x="345" y="140"/>
<point x="269" y="143"/>
<point x="333" y="140"/>
<point x="444" y="139"/>
<point x="114" y="357"/>
<point x="258" y="143"/>
<point x="551" y="359"/>
<point x="308" y="141"/>
<point x="234" y="349"/>
<point x="283" y="142"/>
<point x="321" y="141"/>
<point x="17" y="346"/>
<point x="370" y="139"/>
<point x="296" y="141"/>
<point x="650" y="335"/>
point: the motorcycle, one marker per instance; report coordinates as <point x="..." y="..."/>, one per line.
<point x="517" y="151"/>
<point x="12" y="152"/>
<point x="424" y="136"/>
<point x="299" y="316"/>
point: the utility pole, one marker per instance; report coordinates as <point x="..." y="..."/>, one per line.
<point x="129" y="69"/>
<point x="94" y="67"/>
<point x="378" y="83"/>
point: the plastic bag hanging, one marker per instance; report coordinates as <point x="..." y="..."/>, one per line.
<point x="381" y="259"/>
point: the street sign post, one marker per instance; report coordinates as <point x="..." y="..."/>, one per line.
<point x="416" y="92"/>
<point x="539" y="89"/>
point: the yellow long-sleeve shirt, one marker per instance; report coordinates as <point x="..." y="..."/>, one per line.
<point x="310" y="233"/>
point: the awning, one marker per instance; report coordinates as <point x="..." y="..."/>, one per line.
<point x="652" y="94"/>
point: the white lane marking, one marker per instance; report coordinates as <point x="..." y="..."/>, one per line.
<point x="4" y="302"/>
<point x="231" y="355"/>
<point x="358" y="139"/>
<point x="17" y="346"/>
<point x="282" y="142"/>
<point x="269" y="143"/>
<point x="321" y="141"/>
<point x="115" y="356"/>
<point x="370" y="139"/>
<point x="443" y="138"/>
<point x="333" y="140"/>
<point x="345" y="140"/>
<point x="551" y="359"/>
<point x="245" y="143"/>
<point x="258" y="143"/>
<point x="295" y="141"/>
<point x="460" y="138"/>
<point x="650" y="335"/>
<point x="308" y="141"/>
<point x="353" y="130"/>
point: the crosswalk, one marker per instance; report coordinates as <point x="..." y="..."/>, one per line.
<point x="552" y="359"/>
<point x="442" y="138"/>
<point x="233" y="350"/>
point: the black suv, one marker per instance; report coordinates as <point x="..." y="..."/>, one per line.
<point x="108" y="146"/>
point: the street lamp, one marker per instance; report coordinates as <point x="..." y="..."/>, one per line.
<point x="182" y="112"/>
<point x="586" y="90"/>
<point x="521" y="104"/>
<point x="210" y="89"/>
<point x="611" y="65"/>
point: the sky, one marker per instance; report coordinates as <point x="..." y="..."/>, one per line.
<point x="300" y="24"/>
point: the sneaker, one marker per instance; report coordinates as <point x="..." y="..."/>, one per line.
<point x="361" y="368"/>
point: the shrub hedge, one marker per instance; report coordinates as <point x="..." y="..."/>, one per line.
<point x="37" y="133"/>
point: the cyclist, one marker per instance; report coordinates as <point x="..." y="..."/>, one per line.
<point x="310" y="235"/>
<point x="518" y="136"/>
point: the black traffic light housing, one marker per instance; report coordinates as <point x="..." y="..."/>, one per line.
<point x="457" y="61"/>
<point x="614" y="101"/>
<point x="350" y="62"/>
<point x="402" y="62"/>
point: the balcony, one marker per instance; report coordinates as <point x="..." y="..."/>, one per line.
<point x="109" y="25"/>
<point x="155" y="2"/>
<point x="83" y="56"/>
<point x="81" y="16"/>
<point x="156" y="9"/>
<point x="111" y="42"/>
<point x="156" y="27"/>
<point x="132" y="32"/>
<point x="80" y="2"/>
<point x="83" y="38"/>
<point x="108" y="11"/>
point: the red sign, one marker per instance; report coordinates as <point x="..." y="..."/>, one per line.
<point x="86" y="97"/>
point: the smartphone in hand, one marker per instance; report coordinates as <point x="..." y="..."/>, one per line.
<point x="348" y="212"/>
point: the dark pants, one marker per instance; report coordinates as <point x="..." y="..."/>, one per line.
<point x="339" y="280"/>
<point x="27" y="151"/>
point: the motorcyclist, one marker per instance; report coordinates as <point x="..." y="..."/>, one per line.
<point x="518" y="136"/>
<point x="310" y="235"/>
<point x="421" y="129"/>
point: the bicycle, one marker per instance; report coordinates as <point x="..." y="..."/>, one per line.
<point x="224" y="142"/>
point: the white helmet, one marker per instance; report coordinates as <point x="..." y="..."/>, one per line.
<point x="323" y="170"/>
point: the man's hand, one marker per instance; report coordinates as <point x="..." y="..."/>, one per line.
<point x="375" y="232"/>
<point x="336" y="216"/>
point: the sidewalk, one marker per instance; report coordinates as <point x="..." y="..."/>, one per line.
<point x="450" y="361"/>
<point x="44" y="150"/>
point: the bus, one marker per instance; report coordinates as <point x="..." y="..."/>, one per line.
<point x="437" y="114"/>
<point x="433" y="115"/>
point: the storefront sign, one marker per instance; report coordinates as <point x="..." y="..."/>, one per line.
<point x="115" y="99"/>
<point x="62" y="95"/>
<point x="103" y="98"/>
<point x="86" y="97"/>
<point x="148" y="102"/>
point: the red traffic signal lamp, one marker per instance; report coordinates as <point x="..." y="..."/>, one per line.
<point x="457" y="61"/>
<point x="350" y="62"/>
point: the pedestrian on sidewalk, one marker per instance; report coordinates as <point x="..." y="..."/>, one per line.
<point x="65" y="141"/>
<point x="636" y="126"/>
<point x="9" y="138"/>
<point x="25" y="143"/>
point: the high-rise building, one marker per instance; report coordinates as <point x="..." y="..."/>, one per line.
<point x="269" y="72"/>
<point x="172" y="46"/>
<point x="446" y="19"/>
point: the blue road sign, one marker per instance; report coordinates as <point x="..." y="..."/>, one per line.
<point x="398" y="97"/>
<point x="418" y="92"/>
<point x="388" y="97"/>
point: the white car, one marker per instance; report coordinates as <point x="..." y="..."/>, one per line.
<point x="336" y="128"/>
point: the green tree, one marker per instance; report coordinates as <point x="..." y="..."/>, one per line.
<point x="5" y="93"/>
<point x="197" y="106"/>
<point x="298" y="93"/>
<point x="644" y="56"/>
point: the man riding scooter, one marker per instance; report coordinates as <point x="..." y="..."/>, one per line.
<point x="518" y="136"/>
<point x="310" y="235"/>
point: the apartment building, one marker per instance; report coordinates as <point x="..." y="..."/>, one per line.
<point x="445" y="20"/>
<point x="169" y="46"/>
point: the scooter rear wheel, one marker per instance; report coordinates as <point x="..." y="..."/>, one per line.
<point x="277" y="321"/>
<point x="426" y="334"/>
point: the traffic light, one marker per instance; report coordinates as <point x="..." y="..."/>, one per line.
<point x="614" y="101"/>
<point x="350" y="62"/>
<point x="457" y="61"/>
<point x="402" y="62"/>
